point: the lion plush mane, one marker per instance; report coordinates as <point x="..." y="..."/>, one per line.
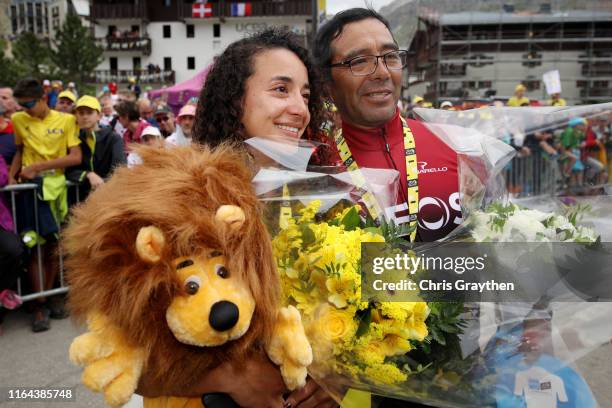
<point x="178" y="190"/>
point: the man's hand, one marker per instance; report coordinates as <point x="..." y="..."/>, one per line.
<point x="95" y="180"/>
<point x="12" y="180"/>
<point x="29" y="172"/>
<point x="311" y="396"/>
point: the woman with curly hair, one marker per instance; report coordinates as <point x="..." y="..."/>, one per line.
<point x="261" y="86"/>
<point x="265" y="86"/>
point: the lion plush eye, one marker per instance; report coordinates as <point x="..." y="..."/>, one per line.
<point x="192" y="284"/>
<point x="222" y="271"/>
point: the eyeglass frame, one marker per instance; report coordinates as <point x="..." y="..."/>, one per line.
<point x="347" y="63"/>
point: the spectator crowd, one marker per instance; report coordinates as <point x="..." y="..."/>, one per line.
<point x="50" y="135"/>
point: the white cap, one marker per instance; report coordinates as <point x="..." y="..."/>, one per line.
<point x="46" y="82"/>
<point x="446" y="104"/>
<point x="70" y="84"/>
<point x="151" y="131"/>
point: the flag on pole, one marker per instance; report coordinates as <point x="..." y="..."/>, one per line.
<point x="201" y="10"/>
<point x="241" y="9"/>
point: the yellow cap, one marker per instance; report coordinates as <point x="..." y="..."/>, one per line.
<point x="520" y="87"/>
<point x="89" y="102"/>
<point x="417" y="99"/>
<point x="67" y="94"/>
<point x="427" y="105"/>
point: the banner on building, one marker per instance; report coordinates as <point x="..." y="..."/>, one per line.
<point x="241" y="9"/>
<point x="201" y="10"/>
<point x="552" y="81"/>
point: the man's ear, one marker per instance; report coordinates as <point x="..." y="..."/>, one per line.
<point x="150" y="244"/>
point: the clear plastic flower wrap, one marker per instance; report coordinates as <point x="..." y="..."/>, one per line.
<point x="443" y="353"/>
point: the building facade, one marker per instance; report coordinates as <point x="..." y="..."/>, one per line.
<point x="473" y="55"/>
<point x="171" y="41"/>
<point x="43" y="17"/>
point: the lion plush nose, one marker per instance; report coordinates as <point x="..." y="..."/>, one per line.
<point x="223" y="315"/>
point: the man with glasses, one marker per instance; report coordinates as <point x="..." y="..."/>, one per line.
<point x="362" y="65"/>
<point x="165" y="119"/>
<point x="47" y="142"/>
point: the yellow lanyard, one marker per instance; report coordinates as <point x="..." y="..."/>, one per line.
<point x="412" y="176"/>
<point x="285" y="210"/>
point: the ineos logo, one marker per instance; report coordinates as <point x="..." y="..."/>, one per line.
<point x="443" y="208"/>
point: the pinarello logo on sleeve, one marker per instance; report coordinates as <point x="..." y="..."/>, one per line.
<point x="423" y="168"/>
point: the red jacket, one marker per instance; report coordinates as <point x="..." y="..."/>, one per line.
<point x="439" y="208"/>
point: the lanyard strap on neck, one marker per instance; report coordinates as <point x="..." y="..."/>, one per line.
<point x="412" y="176"/>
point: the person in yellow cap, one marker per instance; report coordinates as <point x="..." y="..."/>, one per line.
<point x="417" y="101"/>
<point x="65" y="102"/>
<point x="519" y="98"/>
<point x="556" y="100"/>
<point x="102" y="148"/>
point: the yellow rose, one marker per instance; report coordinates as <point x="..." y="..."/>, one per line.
<point x="334" y="325"/>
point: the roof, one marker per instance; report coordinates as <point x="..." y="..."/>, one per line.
<point x="478" y="17"/>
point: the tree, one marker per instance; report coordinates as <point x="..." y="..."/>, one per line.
<point x="9" y="73"/>
<point x="31" y="56"/>
<point x="76" y="53"/>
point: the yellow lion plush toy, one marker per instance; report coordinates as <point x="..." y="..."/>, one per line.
<point x="171" y="266"/>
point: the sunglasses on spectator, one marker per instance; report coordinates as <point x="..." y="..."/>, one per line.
<point x="163" y="119"/>
<point x="28" y="104"/>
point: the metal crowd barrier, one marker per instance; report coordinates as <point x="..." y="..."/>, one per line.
<point x="534" y="175"/>
<point x="31" y="188"/>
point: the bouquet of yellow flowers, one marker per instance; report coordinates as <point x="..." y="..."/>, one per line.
<point x="319" y="266"/>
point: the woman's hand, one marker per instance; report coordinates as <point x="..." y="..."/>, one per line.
<point x="254" y="383"/>
<point x="311" y="396"/>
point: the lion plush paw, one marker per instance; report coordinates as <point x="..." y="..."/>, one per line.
<point x="111" y="365"/>
<point x="289" y="347"/>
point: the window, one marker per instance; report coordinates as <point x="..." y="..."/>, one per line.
<point x="532" y="85"/>
<point x="136" y="64"/>
<point x="216" y="30"/>
<point x="167" y="64"/>
<point x="190" y="62"/>
<point x="55" y="11"/>
<point x="111" y="30"/>
<point x="581" y="84"/>
<point x="190" y="30"/>
<point x="600" y="84"/>
<point x="135" y="29"/>
<point x="113" y="63"/>
<point x="167" y="32"/>
<point x="484" y="84"/>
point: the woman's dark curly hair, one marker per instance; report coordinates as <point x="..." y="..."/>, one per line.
<point x="220" y="107"/>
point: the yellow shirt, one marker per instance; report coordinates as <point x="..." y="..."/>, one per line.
<point x="558" y="102"/>
<point x="46" y="139"/>
<point x="514" y="101"/>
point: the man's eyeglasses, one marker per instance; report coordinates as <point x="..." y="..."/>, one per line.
<point x="28" y="104"/>
<point x="366" y="64"/>
<point x="163" y="119"/>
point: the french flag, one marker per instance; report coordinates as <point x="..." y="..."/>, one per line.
<point x="241" y="9"/>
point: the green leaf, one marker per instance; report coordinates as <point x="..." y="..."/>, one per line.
<point x="364" y="322"/>
<point x="351" y="219"/>
<point x="308" y="236"/>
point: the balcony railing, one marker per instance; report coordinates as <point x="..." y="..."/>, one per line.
<point x="121" y="76"/>
<point x="258" y="8"/>
<point x="116" y="11"/>
<point x="141" y="44"/>
<point x="597" y="70"/>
